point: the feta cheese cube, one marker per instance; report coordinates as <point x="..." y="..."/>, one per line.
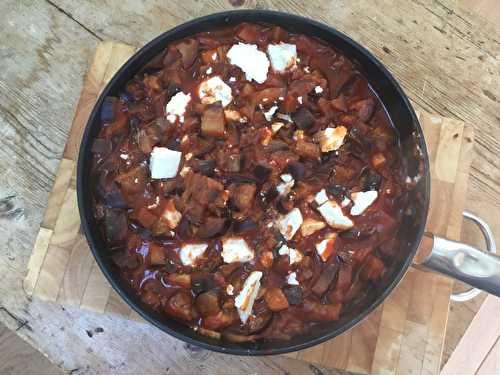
<point x="215" y="89"/>
<point x="290" y="223"/>
<point x="164" y="162"/>
<point x="191" y="252"/>
<point x="318" y="89"/>
<point x="309" y="226"/>
<point x="334" y="216"/>
<point x="286" y="186"/>
<point x="321" y="197"/>
<point x="291" y="279"/>
<point x="283" y="56"/>
<point x="331" y="139"/>
<point x="294" y="255"/>
<point x="246" y="298"/>
<point x="345" y="202"/>
<point x="176" y="107"/>
<point x="270" y="113"/>
<point x="235" y="249"/>
<point x="209" y="70"/>
<point x="171" y="216"/>
<point x="230" y="290"/>
<point x="232" y="115"/>
<point x="362" y="201"/>
<point x="325" y="247"/>
<point x="250" y="60"/>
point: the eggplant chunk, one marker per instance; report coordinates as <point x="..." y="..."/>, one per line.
<point x="303" y="118"/>
<point x="325" y="279"/>
<point x="115" y="223"/>
<point x="207" y="303"/>
<point x="213" y="122"/>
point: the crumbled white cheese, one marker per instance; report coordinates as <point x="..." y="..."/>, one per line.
<point x="245" y="300"/>
<point x="235" y="249"/>
<point x="362" y="201"/>
<point x="276" y="126"/>
<point x="331" y="139"/>
<point x="230" y="290"/>
<point x="285" y="117"/>
<point x="188" y="156"/>
<point x="309" y="226"/>
<point x="164" y="162"/>
<point x="307" y="69"/>
<point x="318" y="89"/>
<point x="176" y="107"/>
<point x="214" y="56"/>
<point x="408" y="180"/>
<point x="299" y="99"/>
<point x="290" y="223"/>
<point x="124" y="156"/>
<point x="270" y="113"/>
<point x="250" y="60"/>
<point x="294" y="255"/>
<point x="265" y="100"/>
<point x="298" y="134"/>
<point x="291" y="279"/>
<point x="215" y="89"/>
<point x="190" y="252"/>
<point x="171" y="216"/>
<point x="345" y="202"/>
<point x="232" y="79"/>
<point x="283" y="56"/>
<point x="155" y="204"/>
<point x="286" y="186"/>
<point x="321" y="197"/>
<point x="325" y="247"/>
<point x="209" y="70"/>
<point x="334" y="216"/>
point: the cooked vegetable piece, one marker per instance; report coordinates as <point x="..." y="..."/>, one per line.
<point x="276" y="299"/>
<point x="213" y="121"/>
<point x="180" y="305"/>
<point x="207" y="303"/>
<point x="325" y="279"/>
<point x="303" y="118"/>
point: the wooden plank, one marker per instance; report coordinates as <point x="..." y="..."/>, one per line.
<point x="477" y="342"/>
<point x="448" y="150"/>
<point x="336" y="352"/>
<point x="97" y="290"/>
<point x="117" y="306"/>
<point x="363" y="344"/>
<point x="36" y="260"/>
<point x="491" y="364"/>
<point x="77" y="273"/>
<point x="56" y="195"/>
<point x="387" y="352"/>
<point x="412" y="348"/>
<point x="59" y="250"/>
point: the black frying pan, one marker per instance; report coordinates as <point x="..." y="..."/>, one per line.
<point x="401" y="114"/>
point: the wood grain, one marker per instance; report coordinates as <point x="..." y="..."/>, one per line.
<point x="445" y="57"/>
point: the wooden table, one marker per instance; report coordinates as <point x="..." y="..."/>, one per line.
<point x="446" y="57"/>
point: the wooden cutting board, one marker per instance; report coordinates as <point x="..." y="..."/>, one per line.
<point x="404" y="335"/>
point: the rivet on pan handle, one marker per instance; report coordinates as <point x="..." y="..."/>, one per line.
<point x="490" y="246"/>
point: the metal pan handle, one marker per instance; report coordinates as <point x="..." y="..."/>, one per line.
<point x="466" y="263"/>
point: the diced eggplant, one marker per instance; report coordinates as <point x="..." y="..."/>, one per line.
<point x="372" y="268"/>
<point x="261" y="172"/>
<point x="188" y="49"/>
<point x="276" y="299"/>
<point x="276" y="145"/>
<point x="297" y="170"/>
<point x="293" y="294"/>
<point x="115" y="223"/>
<point x="208" y="304"/>
<point x="325" y="279"/>
<point x="179" y="279"/>
<point x="336" y="190"/>
<point x="213" y="121"/>
<point x="211" y="226"/>
<point x="125" y="260"/>
<point x="303" y="118"/>
<point x="318" y="312"/>
<point x="244" y="226"/>
<point x="157" y="255"/>
<point x="339" y="103"/>
<point x="237" y="338"/>
<point x="205" y="167"/>
<point x="108" y="110"/>
<point x="134" y="180"/>
<point x="202" y="282"/>
<point x="223" y="319"/>
<point x="307" y="149"/>
<point x="364" y="108"/>
<point x="243" y="195"/>
<point x="180" y="305"/>
<point x="372" y="181"/>
<point x="229" y="162"/>
<point x="101" y="146"/>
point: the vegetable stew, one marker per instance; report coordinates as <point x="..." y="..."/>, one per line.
<point x="249" y="183"/>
